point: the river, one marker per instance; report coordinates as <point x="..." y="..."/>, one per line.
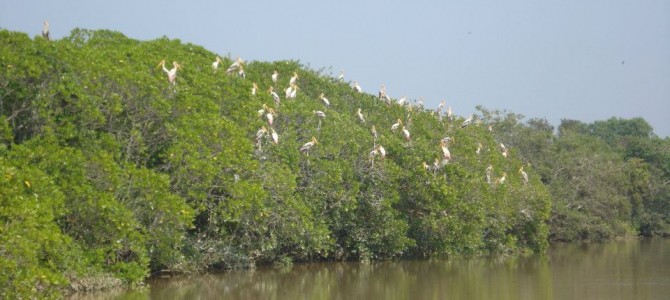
<point x="634" y="269"/>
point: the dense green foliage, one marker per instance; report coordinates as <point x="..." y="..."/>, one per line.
<point x="109" y="172"/>
<point x="607" y="179"/>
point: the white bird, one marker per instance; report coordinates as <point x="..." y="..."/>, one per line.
<point x="524" y="175"/>
<point x="402" y="100"/>
<point x="294" y="92"/>
<point x="263" y="110"/>
<point x="320" y="114"/>
<point x="275" y="97"/>
<point x="446" y="155"/>
<point x="479" y="148"/>
<point x="405" y="133"/>
<point x="254" y="89"/>
<point x="293" y="78"/>
<point x="395" y="125"/>
<point x="378" y="150"/>
<point x="324" y="100"/>
<point x="215" y="64"/>
<point x="357" y="87"/>
<point x="382" y="92"/>
<point x="360" y="115"/>
<point x="260" y="133"/>
<point x="234" y="66"/>
<point x="45" y="30"/>
<point x="382" y="151"/>
<point x="374" y="132"/>
<point x="273" y="134"/>
<point x="341" y="77"/>
<point x="308" y="146"/>
<point x="466" y="122"/>
<point x="501" y="180"/>
<point x="270" y="115"/>
<point x="275" y="76"/>
<point x="503" y="149"/>
<point x="449" y="114"/>
<point x="172" y="73"/>
<point x="288" y="91"/>
<point x="240" y="72"/>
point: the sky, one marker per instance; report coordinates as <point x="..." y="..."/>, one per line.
<point x="570" y="59"/>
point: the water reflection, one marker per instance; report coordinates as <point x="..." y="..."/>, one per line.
<point x="621" y="270"/>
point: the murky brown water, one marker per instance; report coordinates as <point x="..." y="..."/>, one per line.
<point x="618" y="270"/>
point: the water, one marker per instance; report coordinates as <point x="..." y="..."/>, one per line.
<point x="619" y="270"/>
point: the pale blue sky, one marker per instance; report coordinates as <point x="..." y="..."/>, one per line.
<point x="546" y="59"/>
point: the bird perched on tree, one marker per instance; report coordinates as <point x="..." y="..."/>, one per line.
<point x="382" y="92"/>
<point x="501" y="180"/>
<point x="341" y="77"/>
<point x="405" y="133"/>
<point x="324" y="100"/>
<point x="357" y="87"/>
<point x="503" y="149"/>
<point x="275" y="76"/>
<point x="172" y="73"/>
<point x="215" y="64"/>
<point x="273" y="134"/>
<point x="467" y="122"/>
<point x="446" y="155"/>
<point x="479" y="148"/>
<point x="254" y="89"/>
<point x="308" y="146"/>
<point x="45" y="30"/>
<point x="524" y="175"/>
<point x="275" y="97"/>
<point x="382" y="151"/>
<point x="270" y="115"/>
<point x="260" y="133"/>
<point x="360" y="116"/>
<point x="234" y="66"/>
<point x="293" y="79"/>
<point x="294" y="91"/>
<point x="395" y="125"/>
<point x="373" y="130"/>
<point x="319" y="114"/>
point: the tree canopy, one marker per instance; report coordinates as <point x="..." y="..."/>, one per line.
<point x="113" y="168"/>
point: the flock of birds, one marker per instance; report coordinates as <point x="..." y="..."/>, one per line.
<point x="269" y="114"/>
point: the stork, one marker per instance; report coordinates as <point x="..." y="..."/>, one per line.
<point x="45" y="30"/>
<point x="360" y="116"/>
<point x="275" y="97"/>
<point x="524" y="175"/>
<point x="466" y="122"/>
<point x="172" y="73"/>
<point x="357" y="87"/>
<point x="293" y="79"/>
<point x="215" y="64"/>
<point x="324" y="100"/>
<point x="254" y="89"/>
<point x="395" y="125"/>
<point x="308" y="146"/>
<point x="275" y="137"/>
